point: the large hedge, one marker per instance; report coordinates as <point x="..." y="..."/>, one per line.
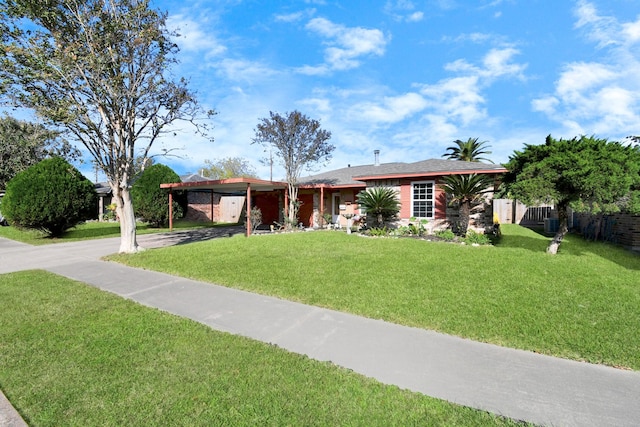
<point x="51" y="196"/>
<point x="150" y="201"/>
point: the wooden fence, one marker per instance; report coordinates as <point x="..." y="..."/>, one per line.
<point x="513" y="212"/>
<point x="621" y="228"/>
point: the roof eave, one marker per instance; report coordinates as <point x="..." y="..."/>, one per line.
<point x="424" y="174"/>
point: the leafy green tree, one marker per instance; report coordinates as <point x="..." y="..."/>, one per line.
<point x="51" y="196"/>
<point x="299" y="143"/>
<point x="586" y="173"/>
<point x="469" y="151"/>
<point x="151" y="201"/>
<point x="23" y="144"/>
<point x="229" y="167"/>
<point x="380" y="201"/>
<point x="465" y="191"/>
<point x="100" y="70"/>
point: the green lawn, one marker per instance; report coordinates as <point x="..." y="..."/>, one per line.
<point x="75" y="356"/>
<point x="580" y="304"/>
<point x="93" y="230"/>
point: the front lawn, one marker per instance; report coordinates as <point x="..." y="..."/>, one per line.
<point x="94" y="230"/>
<point x="581" y="304"/>
<point x="71" y="355"/>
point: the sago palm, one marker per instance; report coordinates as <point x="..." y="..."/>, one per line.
<point x="380" y="201"/>
<point x="469" y="151"/>
<point x="466" y="190"/>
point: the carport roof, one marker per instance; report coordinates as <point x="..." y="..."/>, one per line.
<point x="230" y="185"/>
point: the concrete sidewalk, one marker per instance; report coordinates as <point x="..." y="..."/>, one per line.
<point x="517" y="384"/>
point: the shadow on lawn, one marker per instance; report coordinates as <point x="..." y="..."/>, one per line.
<point x="534" y="244"/>
<point x="575" y="245"/>
<point x="182" y="237"/>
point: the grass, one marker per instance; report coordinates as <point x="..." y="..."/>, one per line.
<point x="581" y="304"/>
<point x="75" y="356"/>
<point x="93" y="230"/>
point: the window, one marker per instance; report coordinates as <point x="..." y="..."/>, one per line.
<point x="422" y="199"/>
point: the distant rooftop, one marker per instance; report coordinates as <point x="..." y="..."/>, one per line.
<point x="194" y="177"/>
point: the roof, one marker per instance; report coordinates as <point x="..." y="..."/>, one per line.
<point x="102" y="188"/>
<point x="193" y="177"/>
<point x="357" y="175"/>
<point x="230" y="185"/>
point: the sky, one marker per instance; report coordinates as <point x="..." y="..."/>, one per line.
<point x="406" y="77"/>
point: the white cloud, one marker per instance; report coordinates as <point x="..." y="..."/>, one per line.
<point x="290" y="17"/>
<point x="415" y="17"/>
<point x="579" y="77"/>
<point x="403" y="10"/>
<point x="390" y="110"/>
<point x="345" y="45"/>
<point x="497" y="63"/>
<point x="631" y="31"/>
<point x="295" y="16"/>
<point x="243" y="70"/>
<point x="602" y="96"/>
<point x="309" y="70"/>
<point x="460" y="98"/>
<point x="193" y="38"/>
<point x="472" y="37"/>
<point x="546" y="105"/>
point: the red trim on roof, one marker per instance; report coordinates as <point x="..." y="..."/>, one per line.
<point x="354" y="185"/>
<point x="422" y="174"/>
<point x="209" y="183"/>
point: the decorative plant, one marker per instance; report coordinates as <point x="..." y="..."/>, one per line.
<point x="447" y="235"/>
<point x="382" y="202"/>
<point x="327" y="218"/>
<point x="256" y="218"/>
<point x="474" y="238"/>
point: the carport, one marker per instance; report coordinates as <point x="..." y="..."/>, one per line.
<point x="227" y="186"/>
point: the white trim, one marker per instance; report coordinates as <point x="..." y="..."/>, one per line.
<point x="433" y="199"/>
<point x="335" y="206"/>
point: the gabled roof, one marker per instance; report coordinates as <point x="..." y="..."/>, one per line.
<point x="193" y="177"/>
<point x="357" y="175"/>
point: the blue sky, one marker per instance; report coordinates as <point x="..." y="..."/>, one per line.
<point x="408" y="77"/>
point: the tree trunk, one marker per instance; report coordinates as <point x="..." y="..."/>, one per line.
<point x="127" y="218"/>
<point x="293" y="205"/>
<point x="562" y="228"/>
<point x="463" y="213"/>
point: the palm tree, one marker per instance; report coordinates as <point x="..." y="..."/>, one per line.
<point x="380" y="201"/>
<point x="469" y="151"/>
<point x="465" y="191"/>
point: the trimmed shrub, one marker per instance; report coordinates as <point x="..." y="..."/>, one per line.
<point x="51" y="196"/>
<point x="150" y="202"/>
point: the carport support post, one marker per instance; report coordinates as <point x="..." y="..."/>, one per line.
<point x="248" y="209"/>
<point x="170" y="210"/>
<point x="321" y="216"/>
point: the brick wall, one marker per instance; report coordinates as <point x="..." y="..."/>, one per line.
<point x="203" y="206"/>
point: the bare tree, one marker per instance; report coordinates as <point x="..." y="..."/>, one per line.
<point x="299" y="143"/>
<point x="99" y="69"/>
